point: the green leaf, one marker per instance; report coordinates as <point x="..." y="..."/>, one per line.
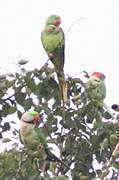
<point x="27" y="104"/>
<point x="23" y="61"/>
<point x="5" y="109"/>
<point x="30" y="83"/>
<point x="10" y="83"/>
<point x="20" y="98"/>
<point x="12" y="110"/>
<point x="10" y="74"/>
<point x="5" y="140"/>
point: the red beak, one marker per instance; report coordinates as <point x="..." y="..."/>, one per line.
<point x="58" y="22"/>
<point x="36" y="118"/>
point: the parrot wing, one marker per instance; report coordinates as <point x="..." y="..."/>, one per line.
<point x="96" y="89"/>
<point x="54" y="43"/>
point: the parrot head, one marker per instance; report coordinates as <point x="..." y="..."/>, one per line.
<point x="30" y="117"/>
<point x="98" y="75"/>
<point x="53" y="20"/>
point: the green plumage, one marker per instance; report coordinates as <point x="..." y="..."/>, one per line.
<point x="30" y="135"/>
<point x="96" y="91"/>
<point x="95" y="88"/>
<point x="34" y="139"/>
<point x="53" y="41"/>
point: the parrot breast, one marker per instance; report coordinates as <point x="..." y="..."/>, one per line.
<point x="29" y="135"/>
<point x="96" y="89"/>
<point x="51" y="40"/>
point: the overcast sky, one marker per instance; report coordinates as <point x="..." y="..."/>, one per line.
<point x="92" y="44"/>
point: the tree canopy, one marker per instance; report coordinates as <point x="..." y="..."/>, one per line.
<point x="83" y="130"/>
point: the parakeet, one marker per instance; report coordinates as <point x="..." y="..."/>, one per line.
<point x="96" y="90"/>
<point x="53" y="41"/>
<point x="95" y="86"/>
<point x="33" y="138"/>
<point x="29" y="135"/>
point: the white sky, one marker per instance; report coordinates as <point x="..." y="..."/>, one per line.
<point x="91" y="45"/>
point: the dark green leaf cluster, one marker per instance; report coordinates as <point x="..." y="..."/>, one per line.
<point x="81" y="130"/>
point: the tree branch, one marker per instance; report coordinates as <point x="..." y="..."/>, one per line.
<point x="112" y="158"/>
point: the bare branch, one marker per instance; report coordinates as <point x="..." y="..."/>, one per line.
<point x="110" y="162"/>
<point x="75" y="22"/>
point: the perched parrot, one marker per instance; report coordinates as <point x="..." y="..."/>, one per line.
<point x="30" y="137"/>
<point x="53" y="41"/>
<point x="33" y="139"/>
<point x="96" y="90"/>
<point x="96" y="86"/>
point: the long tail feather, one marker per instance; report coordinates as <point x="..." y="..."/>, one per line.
<point x="63" y="87"/>
<point x="63" y="90"/>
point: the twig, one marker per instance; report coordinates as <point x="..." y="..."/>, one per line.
<point x="8" y="98"/>
<point x="113" y="154"/>
<point x="43" y="67"/>
<point x="105" y="172"/>
<point x="41" y="70"/>
<point x="73" y="25"/>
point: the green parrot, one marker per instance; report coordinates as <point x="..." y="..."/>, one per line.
<point x="96" y="90"/>
<point x="28" y="131"/>
<point x="53" y="41"/>
<point x="95" y="86"/>
<point x="33" y="139"/>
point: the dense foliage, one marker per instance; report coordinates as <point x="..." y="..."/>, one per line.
<point x="83" y="130"/>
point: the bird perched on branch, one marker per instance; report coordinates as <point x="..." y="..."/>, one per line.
<point x="53" y="41"/>
<point x="96" y="90"/>
<point x="30" y="136"/>
<point x="95" y="86"/>
<point x="33" y="139"/>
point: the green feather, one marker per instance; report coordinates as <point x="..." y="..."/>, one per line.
<point x="52" y="19"/>
<point x="33" y="137"/>
<point x="96" y="89"/>
<point x="41" y="137"/>
<point x="53" y="41"/>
